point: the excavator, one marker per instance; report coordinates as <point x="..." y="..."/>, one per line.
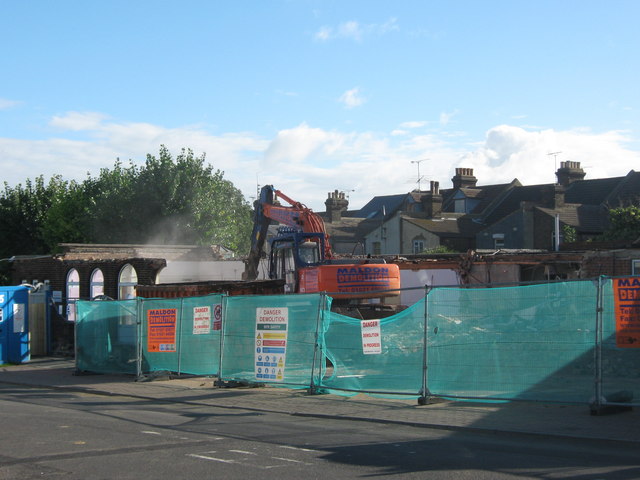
<point x="302" y="257"/>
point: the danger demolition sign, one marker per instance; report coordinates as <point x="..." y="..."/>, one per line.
<point x="627" y="310"/>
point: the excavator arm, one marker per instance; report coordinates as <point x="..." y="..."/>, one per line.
<point x="296" y="215"/>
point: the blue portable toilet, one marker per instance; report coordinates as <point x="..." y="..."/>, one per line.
<point x="14" y="325"/>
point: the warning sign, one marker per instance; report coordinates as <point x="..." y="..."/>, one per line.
<point x="626" y="293"/>
<point x="161" y="330"/>
<point x="271" y="343"/>
<point x="371" y="338"/>
<point x="217" y="317"/>
<point x="201" y="320"/>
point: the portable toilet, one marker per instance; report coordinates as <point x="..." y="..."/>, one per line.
<point x="14" y="324"/>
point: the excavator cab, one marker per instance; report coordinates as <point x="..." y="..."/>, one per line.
<point x="292" y="250"/>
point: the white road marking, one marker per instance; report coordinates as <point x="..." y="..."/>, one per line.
<point x="205" y="457"/>
<point x="298" y="448"/>
<point x="287" y="460"/>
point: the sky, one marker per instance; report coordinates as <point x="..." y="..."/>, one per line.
<point x="366" y="97"/>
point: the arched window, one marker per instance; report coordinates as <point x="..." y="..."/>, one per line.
<point x="96" y="284"/>
<point x="127" y="281"/>
<point x="73" y="293"/>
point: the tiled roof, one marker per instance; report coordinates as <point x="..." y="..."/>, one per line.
<point x="626" y="193"/>
<point x="591" y="192"/>
<point x="584" y="218"/>
<point x="374" y="208"/>
<point x="462" y="226"/>
<point x="512" y="201"/>
<point x="485" y="194"/>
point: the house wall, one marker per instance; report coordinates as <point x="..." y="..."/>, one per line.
<point x="199" y="271"/>
<point x="388" y="234"/>
<point x="412" y="231"/>
<point x="544" y="230"/>
<point x="517" y="229"/>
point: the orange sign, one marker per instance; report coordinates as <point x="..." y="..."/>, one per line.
<point x="161" y="330"/>
<point x="626" y="293"/>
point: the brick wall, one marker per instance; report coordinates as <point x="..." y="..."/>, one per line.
<point x="56" y="269"/>
<point x="613" y="263"/>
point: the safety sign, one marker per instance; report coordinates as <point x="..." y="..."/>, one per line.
<point x="201" y="320"/>
<point x="271" y="343"/>
<point x="161" y="329"/>
<point x="217" y="317"/>
<point x="371" y="338"/>
<point x="626" y="293"/>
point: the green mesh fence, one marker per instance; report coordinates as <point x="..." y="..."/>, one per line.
<point x="620" y="364"/>
<point x="106" y="337"/>
<point x="181" y="335"/>
<point x="383" y="357"/>
<point x="271" y="339"/>
<point x="543" y="342"/>
<point x="531" y="343"/>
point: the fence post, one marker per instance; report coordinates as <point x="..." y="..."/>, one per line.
<point x="139" y="346"/>
<point x="424" y="392"/>
<point x="179" y="329"/>
<point x="223" y="325"/>
<point x="596" y="405"/>
<point x="316" y="347"/>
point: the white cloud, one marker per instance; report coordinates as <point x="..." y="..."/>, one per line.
<point x="6" y="104"/>
<point x="306" y="162"/>
<point x="512" y="152"/>
<point x="324" y="34"/>
<point x="353" y="30"/>
<point x="78" y="121"/>
<point x="352" y="98"/>
<point x="445" y="117"/>
<point x="414" y="124"/>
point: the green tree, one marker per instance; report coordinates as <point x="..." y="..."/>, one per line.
<point x="165" y="201"/>
<point x="170" y="201"/>
<point x="569" y="234"/>
<point x="624" y="224"/>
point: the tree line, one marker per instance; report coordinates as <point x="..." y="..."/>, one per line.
<point x="165" y="201"/>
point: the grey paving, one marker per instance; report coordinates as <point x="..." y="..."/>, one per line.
<point x="514" y="417"/>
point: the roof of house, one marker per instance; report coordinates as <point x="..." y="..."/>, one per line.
<point x="462" y="226"/>
<point x="584" y="208"/>
<point x="374" y="208"/>
<point x="584" y="218"/>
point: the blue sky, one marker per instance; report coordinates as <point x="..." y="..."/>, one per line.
<point x="312" y="96"/>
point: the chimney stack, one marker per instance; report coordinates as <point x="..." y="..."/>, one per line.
<point x="569" y="172"/>
<point x="432" y="201"/>
<point x="464" y="178"/>
<point x="336" y="203"/>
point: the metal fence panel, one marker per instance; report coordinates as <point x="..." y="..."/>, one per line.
<point x="106" y="337"/>
<point x="530" y="343"/>
<point x="270" y="339"/>
<point x="383" y="357"/>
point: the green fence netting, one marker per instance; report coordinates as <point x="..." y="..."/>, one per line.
<point x="106" y="337"/>
<point x="549" y="342"/>
<point x="181" y="335"/>
<point x="272" y="339"/>
<point x="382" y="357"/>
<point x="532" y="343"/>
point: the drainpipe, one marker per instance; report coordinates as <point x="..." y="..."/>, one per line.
<point x="556" y="242"/>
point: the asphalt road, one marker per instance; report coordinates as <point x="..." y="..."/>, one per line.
<point x="54" y="434"/>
